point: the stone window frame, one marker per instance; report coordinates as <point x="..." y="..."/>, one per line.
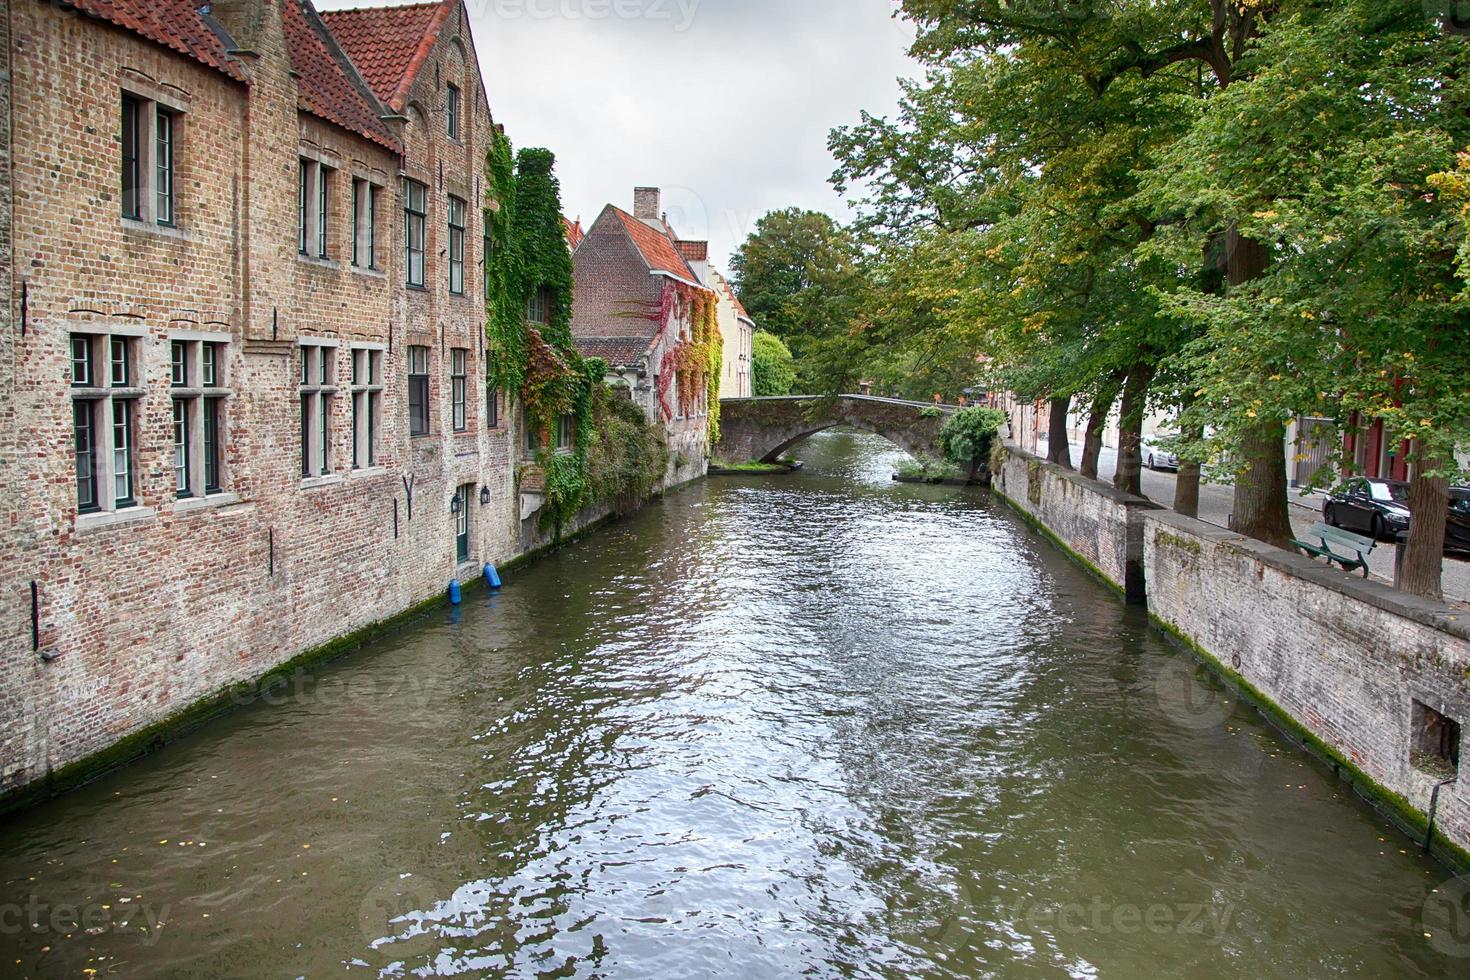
<point x="454" y="117"/>
<point x="199" y="364"/>
<point x="109" y="406"/>
<point x="417" y="361"/>
<point x="459" y="374"/>
<point x="314" y="205"/>
<point x="415" y="220"/>
<point x="316" y="390"/>
<point x="456" y="208"/>
<point x="155" y="202"/>
<point x="365" y="223"/>
<point x="367" y="391"/>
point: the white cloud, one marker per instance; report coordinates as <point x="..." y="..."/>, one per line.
<point x="725" y="104"/>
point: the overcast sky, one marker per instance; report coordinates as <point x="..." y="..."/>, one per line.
<point x="725" y="104"/>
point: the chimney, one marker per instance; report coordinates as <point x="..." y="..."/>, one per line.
<point x="646" y="203"/>
<point x="241" y="19"/>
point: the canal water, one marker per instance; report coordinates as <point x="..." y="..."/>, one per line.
<point x="821" y="725"/>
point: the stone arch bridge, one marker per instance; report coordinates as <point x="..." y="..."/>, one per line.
<point x="761" y="429"/>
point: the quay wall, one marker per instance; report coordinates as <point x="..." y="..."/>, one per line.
<point x="1366" y="678"/>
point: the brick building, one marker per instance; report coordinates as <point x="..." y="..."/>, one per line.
<point x="625" y="266"/>
<point x="241" y="380"/>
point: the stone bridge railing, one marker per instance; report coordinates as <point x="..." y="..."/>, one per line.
<point x="761" y="429"/>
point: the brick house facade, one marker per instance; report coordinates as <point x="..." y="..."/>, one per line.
<point x="621" y="267"/>
<point x="212" y="461"/>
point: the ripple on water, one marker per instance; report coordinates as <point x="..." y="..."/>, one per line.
<point x="820" y="724"/>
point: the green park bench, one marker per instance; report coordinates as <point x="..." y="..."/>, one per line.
<point x="1349" y="550"/>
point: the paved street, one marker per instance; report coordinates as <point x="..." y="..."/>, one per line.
<point x="1215" y="505"/>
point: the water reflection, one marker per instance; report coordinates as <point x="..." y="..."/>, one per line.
<point x="818" y="724"/>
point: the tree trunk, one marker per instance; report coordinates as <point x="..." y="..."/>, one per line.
<point x="1097" y="423"/>
<point x="1129" y="476"/>
<point x="1058" y="445"/>
<point x="1186" y="482"/>
<point x="1429" y="503"/>
<point x="1260" y="486"/>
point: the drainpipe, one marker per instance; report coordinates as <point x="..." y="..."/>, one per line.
<point x="1434" y="805"/>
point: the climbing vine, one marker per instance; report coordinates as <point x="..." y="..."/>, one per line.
<point x="528" y="255"/>
<point x="695" y="360"/>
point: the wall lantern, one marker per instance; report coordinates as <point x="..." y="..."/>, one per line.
<point x="484" y="496"/>
<point x="455" y="504"/>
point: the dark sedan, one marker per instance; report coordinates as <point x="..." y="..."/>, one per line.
<point x="1380" y="508"/>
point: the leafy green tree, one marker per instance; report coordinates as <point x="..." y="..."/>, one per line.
<point x="772" y="368"/>
<point x="800" y="276"/>
<point x="1329" y="153"/>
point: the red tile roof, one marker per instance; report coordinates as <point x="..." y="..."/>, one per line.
<point x="694" y="251"/>
<point x="616" y="351"/>
<point x="175" y="24"/>
<point x="740" y="308"/>
<point x="390" y="44"/>
<point x="328" y="85"/>
<point x="657" y="248"/>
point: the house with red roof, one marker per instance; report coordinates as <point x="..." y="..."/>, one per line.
<point x="248" y="372"/>
<point x="636" y="298"/>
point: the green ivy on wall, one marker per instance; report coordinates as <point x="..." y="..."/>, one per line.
<point x="528" y="254"/>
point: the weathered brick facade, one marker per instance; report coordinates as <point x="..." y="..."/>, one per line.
<point x="148" y="607"/>
<point x="621" y="267"/>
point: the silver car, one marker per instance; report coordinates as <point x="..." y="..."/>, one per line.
<point x="1155" y="457"/>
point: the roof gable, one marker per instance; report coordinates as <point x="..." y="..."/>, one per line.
<point x="390" y="44"/>
<point x="328" y="83"/>
<point x="175" y="24"/>
<point x="658" y="250"/>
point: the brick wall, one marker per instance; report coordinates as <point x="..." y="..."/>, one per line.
<point x="158" y="606"/>
<point x="1096" y="521"/>
<point x="1344" y="657"/>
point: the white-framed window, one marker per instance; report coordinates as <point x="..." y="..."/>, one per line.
<point x="538" y="307"/>
<point x="367" y="405"/>
<point x="317" y="387"/>
<point x="313" y="192"/>
<point x="149" y="154"/>
<point x="456" y="245"/>
<point x="106" y="389"/>
<point x="566" y="433"/>
<point x="415" y="220"/>
<point x="365" y="223"/>
<point x="459" y="360"/>
<point x="418" y="391"/>
<point x="451" y="107"/>
<point x="198" y="388"/>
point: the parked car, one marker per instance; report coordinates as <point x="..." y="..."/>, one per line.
<point x="1457" y="526"/>
<point x="1379" y="508"/>
<point x="1155" y="457"/>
